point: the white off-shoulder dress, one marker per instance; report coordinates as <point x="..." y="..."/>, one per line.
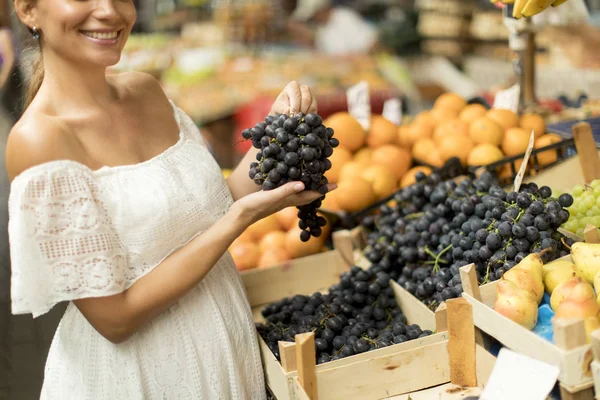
<point x="77" y="233"/>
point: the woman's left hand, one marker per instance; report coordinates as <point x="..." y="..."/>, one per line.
<point x="293" y="99"/>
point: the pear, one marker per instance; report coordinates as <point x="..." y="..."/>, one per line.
<point x="586" y="257"/>
<point x="562" y="291"/>
<point x="580" y="303"/>
<point x="591" y="324"/>
<point x="527" y="275"/>
<point x="516" y="304"/>
<point x="597" y="286"/>
<point x="557" y="272"/>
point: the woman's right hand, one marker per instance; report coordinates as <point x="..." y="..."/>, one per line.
<point x="259" y="205"/>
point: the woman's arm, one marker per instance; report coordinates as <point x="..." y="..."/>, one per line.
<point x="119" y="316"/>
<point x="8" y="55"/>
<point x="293" y="99"/>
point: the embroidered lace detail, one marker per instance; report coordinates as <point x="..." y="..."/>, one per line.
<point x="78" y="233"/>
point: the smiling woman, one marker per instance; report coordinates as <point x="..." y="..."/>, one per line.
<point x="118" y="209"/>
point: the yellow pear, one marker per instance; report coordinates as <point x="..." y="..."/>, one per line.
<point x="586" y="257"/>
<point x="597" y="286"/>
<point x="562" y="291"/>
<point x="591" y="324"/>
<point x="516" y="304"/>
<point x="527" y="275"/>
<point x="580" y="303"/>
<point x="557" y="272"/>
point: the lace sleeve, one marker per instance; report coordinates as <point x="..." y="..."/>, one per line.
<point x="187" y="124"/>
<point x="62" y="243"/>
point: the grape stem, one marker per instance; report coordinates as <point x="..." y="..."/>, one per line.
<point x="437" y="260"/>
<point x="562" y="239"/>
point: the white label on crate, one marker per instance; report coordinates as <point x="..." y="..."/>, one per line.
<point x="521" y="173"/>
<point x="359" y="103"/>
<point x="508" y="99"/>
<point x="392" y="111"/>
<point x="518" y="377"/>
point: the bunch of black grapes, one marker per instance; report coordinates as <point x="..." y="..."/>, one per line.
<point x="357" y="315"/>
<point x="436" y="227"/>
<point x="294" y="148"/>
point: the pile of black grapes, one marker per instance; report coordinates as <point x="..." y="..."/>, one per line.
<point x="294" y="148"/>
<point x="434" y="227"/>
<point x="357" y="315"/>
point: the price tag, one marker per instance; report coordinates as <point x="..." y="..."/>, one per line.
<point x="359" y="103"/>
<point x="392" y="111"/>
<point x="508" y="99"/>
<point x="518" y="377"/>
<point x="521" y="173"/>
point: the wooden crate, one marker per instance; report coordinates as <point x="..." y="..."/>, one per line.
<point x="428" y="363"/>
<point x="570" y="352"/>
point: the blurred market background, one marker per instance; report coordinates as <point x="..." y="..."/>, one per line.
<point x="224" y="62"/>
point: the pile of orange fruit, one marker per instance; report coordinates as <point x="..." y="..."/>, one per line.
<point x="367" y="165"/>
<point x="273" y="241"/>
<point x="475" y="135"/>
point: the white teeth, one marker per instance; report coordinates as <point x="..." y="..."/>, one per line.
<point x="101" y="35"/>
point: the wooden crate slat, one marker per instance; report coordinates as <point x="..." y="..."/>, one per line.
<point x="461" y="344"/>
<point x="275" y="377"/>
<point x="297" y="277"/>
<point x="415" y="311"/>
<point x="572" y="363"/>
<point x="382" y="377"/>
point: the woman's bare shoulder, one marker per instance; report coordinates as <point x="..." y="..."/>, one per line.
<point x="36" y="139"/>
<point x="142" y="87"/>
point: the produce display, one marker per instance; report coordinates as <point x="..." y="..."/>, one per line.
<point x="585" y="208"/>
<point x="434" y="227"/>
<point x="294" y="148"/>
<point x="356" y="315"/>
<point x="473" y="134"/>
<point x="367" y="166"/>
<point x="568" y="281"/>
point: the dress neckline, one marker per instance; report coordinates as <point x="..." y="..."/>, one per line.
<point x="106" y="170"/>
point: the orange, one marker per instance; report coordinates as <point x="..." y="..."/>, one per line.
<point x="261" y="227"/>
<point x="505" y="118"/>
<point x="422" y="149"/>
<point x="471" y="112"/>
<point x="330" y="203"/>
<point x="409" y="178"/>
<point x="287" y="218"/>
<point x="273" y="256"/>
<point x="484" y="154"/>
<point x="339" y="157"/>
<point x="515" y="141"/>
<point x="245" y="255"/>
<point x="395" y="158"/>
<point x="486" y="130"/>
<point x="450" y="101"/>
<point x="434" y="159"/>
<point x="425" y="117"/>
<point x="296" y="248"/>
<point x="449" y="128"/>
<point x="443" y="114"/>
<point x="363" y="156"/>
<point x="354" y="195"/>
<point x="271" y="240"/>
<point x="455" y="146"/>
<point x="347" y="130"/>
<point x="382" y="132"/>
<point x="533" y="122"/>
<point x="382" y="180"/>
<point x="350" y="170"/>
<point x="413" y="132"/>
<point x="548" y="156"/>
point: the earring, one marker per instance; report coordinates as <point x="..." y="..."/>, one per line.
<point x="36" y="33"/>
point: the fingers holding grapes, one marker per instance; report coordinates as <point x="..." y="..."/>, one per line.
<point x="295" y="98"/>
